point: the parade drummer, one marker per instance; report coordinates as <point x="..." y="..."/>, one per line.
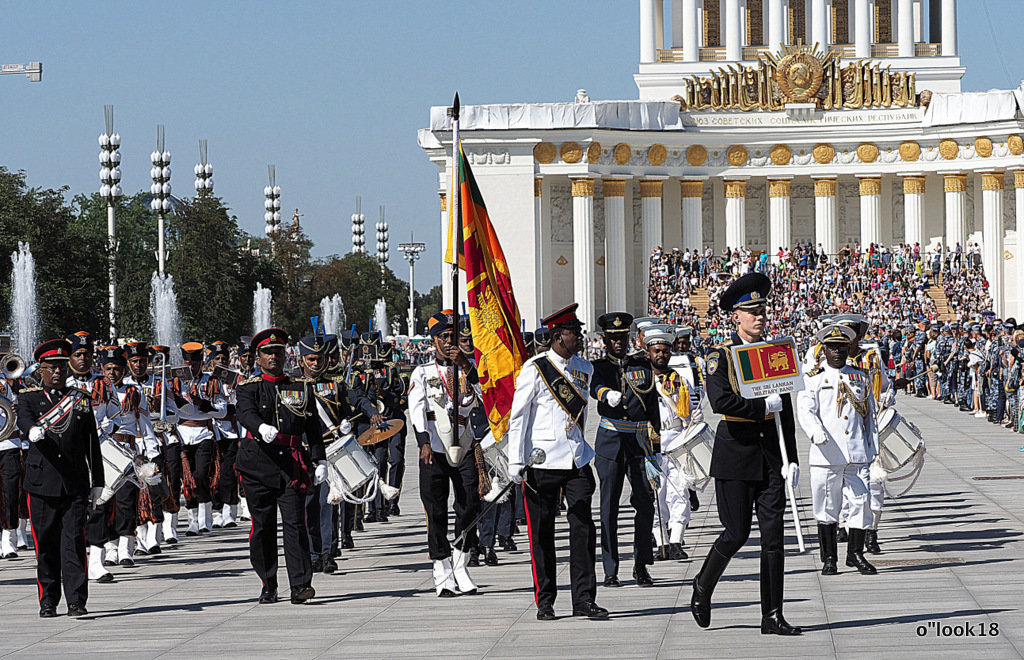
<point x="837" y="411"/>
<point x="747" y="463"/>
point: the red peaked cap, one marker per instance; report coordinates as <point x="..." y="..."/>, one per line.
<point x="54" y="349"/>
<point x="563" y="318"/>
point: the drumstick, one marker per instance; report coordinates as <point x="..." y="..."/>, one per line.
<point x="334" y="430"/>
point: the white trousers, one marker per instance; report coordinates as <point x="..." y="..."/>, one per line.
<point x="673" y="500"/>
<point x="876" y="496"/>
<point x="831" y="485"/>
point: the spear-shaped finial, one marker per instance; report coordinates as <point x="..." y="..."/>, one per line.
<point x="453" y="111"/>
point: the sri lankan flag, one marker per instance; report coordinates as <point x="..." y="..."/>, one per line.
<point x="762" y="362"/>
<point x="493" y="313"/>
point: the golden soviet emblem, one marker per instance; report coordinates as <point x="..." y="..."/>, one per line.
<point x="799" y="76"/>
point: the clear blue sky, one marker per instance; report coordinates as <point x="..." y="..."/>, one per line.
<point x="331" y="92"/>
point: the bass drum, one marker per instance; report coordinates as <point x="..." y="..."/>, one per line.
<point x="693" y="456"/>
<point x="899" y="440"/>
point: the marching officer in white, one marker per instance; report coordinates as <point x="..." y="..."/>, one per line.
<point x="678" y="413"/>
<point x="837" y="411"/>
<point x="549" y="412"/>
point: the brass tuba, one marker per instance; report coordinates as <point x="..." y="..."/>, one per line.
<point x="9" y="420"/>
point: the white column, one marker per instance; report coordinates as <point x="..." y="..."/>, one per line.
<point x="733" y="30"/>
<point x="905" y="29"/>
<point x="992" y="235"/>
<point x="1018" y="184"/>
<point x="678" y="23"/>
<point x="692" y="195"/>
<point x="913" y="210"/>
<point x="542" y="254"/>
<point x="659" y="24"/>
<point x="735" y="213"/>
<point x="870" y="211"/>
<point x="648" y="19"/>
<point x="650" y="220"/>
<point x="862" y="27"/>
<point x="949" y="27"/>
<point x="615" y="244"/>
<point x="918" y="21"/>
<point x="955" y="186"/>
<point x="776" y="26"/>
<point x="819" y="24"/>
<point x="826" y="221"/>
<point x="780" y="223"/>
<point x="691" y="48"/>
<point x="583" y="249"/>
<point x="446" y="278"/>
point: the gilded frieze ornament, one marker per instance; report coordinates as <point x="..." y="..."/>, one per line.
<point x="696" y="155"/>
<point x="867" y="152"/>
<point x="657" y="154"/>
<point x="992" y="180"/>
<point x="545" y="153"/>
<point x="691" y="188"/>
<point x="622" y="153"/>
<point x="736" y="155"/>
<point x="1015" y="145"/>
<point x="571" y="152"/>
<point x="780" y="154"/>
<point x="948" y="149"/>
<point x="910" y="151"/>
<point x="594" y="152"/>
<point x="799" y="74"/>
<point x="983" y="147"/>
<point x="823" y="153"/>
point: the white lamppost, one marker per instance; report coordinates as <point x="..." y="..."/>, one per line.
<point x="161" y="192"/>
<point x="204" y="172"/>
<point x="359" y="228"/>
<point x="272" y="204"/>
<point x="382" y="244"/>
<point x="110" y="190"/>
<point x="411" y="251"/>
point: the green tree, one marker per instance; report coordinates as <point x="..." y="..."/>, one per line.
<point x="428" y="304"/>
<point x="357" y="277"/>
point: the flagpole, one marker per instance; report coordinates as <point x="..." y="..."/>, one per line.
<point x="456" y="240"/>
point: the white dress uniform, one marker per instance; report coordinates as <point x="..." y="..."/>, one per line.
<point x="678" y="411"/>
<point x="837" y="411"/>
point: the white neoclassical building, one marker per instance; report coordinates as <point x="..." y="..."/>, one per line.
<point x="744" y="135"/>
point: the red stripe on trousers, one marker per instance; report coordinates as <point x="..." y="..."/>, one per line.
<point x="35" y="543"/>
<point x="529" y="538"/>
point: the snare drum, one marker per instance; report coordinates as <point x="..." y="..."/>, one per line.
<point x="352" y="463"/>
<point x="899" y="440"/>
<point x="118" y="463"/>
<point x="693" y="456"/>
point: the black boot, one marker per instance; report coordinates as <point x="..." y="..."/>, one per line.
<point x="829" y="548"/>
<point x="855" y="553"/>
<point x="773" y="571"/>
<point x="704" y="585"/>
<point x="871" y="541"/>
<point x="490" y="558"/>
<point x="842" y="536"/>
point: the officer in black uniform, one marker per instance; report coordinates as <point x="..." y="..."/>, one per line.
<point x="627" y="401"/>
<point x="747" y="463"/>
<point x="63" y="473"/>
<point x="277" y="414"/>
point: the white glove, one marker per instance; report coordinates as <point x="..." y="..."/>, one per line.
<point x="613" y="398"/>
<point x="772" y="403"/>
<point x="267" y="432"/>
<point x="516" y="472"/>
<point x="36" y="433"/>
<point x="94" y="494"/>
<point x="345" y="427"/>
<point x="791" y="473"/>
<point x="820" y="438"/>
<point x="320" y="474"/>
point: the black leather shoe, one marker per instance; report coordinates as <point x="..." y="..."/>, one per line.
<point x="155" y="550"/>
<point x="829" y="566"/>
<point x="642" y="576"/>
<point x="855" y="553"/>
<point x="330" y="566"/>
<point x="370" y="517"/>
<point x="268" y="596"/>
<point x="447" y="593"/>
<point x="395" y="511"/>
<point x="490" y="557"/>
<point x="676" y="552"/>
<point x="591" y="610"/>
<point x="109" y="562"/>
<point x="106" y="578"/>
<point x="612" y="581"/>
<point x="358" y="526"/>
<point x="302" y="594"/>
<point x="346" y="542"/>
<point x="773" y="624"/>
<point x="77" y="610"/>
<point x="318" y="566"/>
<point x="871" y="542"/>
<point x="47" y="612"/>
<point x="474" y="556"/>
<point x="546" y="613"/>
<point x="704" y="585"/>
<point x="842" y="536"/>
<point x="127" y="562"/>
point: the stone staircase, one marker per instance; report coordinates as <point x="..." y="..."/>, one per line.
<point x="938" y="296"/>
<point x="700" y="301"/>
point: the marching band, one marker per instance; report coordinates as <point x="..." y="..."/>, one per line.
<point x="112" y="454"/>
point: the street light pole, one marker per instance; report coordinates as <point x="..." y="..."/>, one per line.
<point x="411" y="251"/>
<point x="161" y="191"/>
<point x="110" y="190"/>
<point x="33" y="70"/>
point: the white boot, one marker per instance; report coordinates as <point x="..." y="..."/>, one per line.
<point x="125" y="550"/>
<point x="193" y="523"/>
<point x="228" y="515"/>
<point x="158" y="531"/>
<point x="97" y="572"/>
<point x="243" y="510"/>
<point x="150" y="538"/>
<point x="444" y="578"/>
<point x="110" y="553"/>
<point x="218" y="517"/>
<point x="205" y="517"/>
<point x="465" y="583"/>
<point x="8" y="549"/>
<point x="675" y="533"/>
<point x="171" y="528"/>
<point x="23" y="534"/>
<point x="658" y="541"/>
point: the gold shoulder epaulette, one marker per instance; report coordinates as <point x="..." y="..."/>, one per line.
<point x="250" y="380"/>
<point x="25" y="390"/>
<point x="77" y="389"/>
<point x="815" y="371"/>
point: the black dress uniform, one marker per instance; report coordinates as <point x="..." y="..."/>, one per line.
<point x="62" y="469"/>
<point x="275" y="471"/>
<point x="623" y="445"/>
<point x="389" y="390"/>
<point x="747" y="466"/>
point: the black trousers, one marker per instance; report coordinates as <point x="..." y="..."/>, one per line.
<point x="541" y="503"/>
<point x="10" y="482"/>
<point x="58" y="533"/>
<point x="435" y="480"/>
<point x="172" y="472"/>
<point x="126" y="511"/>
<point x="612" y="473"/>
<point x="380" y="457"/>
<point x="227" y="486"/>
<point x="737" y="500"/>
<point x="396" y="459"/>
<point x="263" y="505"/>
<point x="200" y="459"/>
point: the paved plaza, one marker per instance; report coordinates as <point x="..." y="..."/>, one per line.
<point x="951" y="563"/>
